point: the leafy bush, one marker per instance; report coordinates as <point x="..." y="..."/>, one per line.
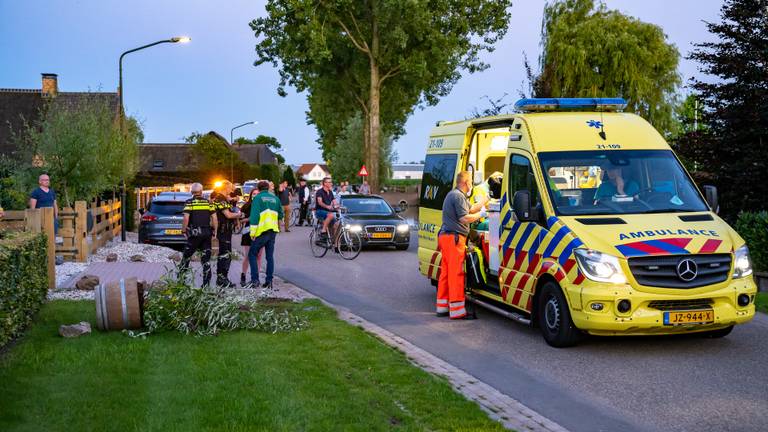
<point x="753" y="226"/>
<point x="173" y="305"/>
<point x="23" y="280"/>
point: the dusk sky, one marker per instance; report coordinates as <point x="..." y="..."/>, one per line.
<point x="211" y="83"/>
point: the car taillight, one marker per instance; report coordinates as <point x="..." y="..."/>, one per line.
<point x="148" y="218"/>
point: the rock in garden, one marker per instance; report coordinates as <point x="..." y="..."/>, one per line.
<point x="175" y="257"/>
<point x="137" y="258"/>
<point x="75" y="330"/>
<point x="111" y="257"/>
<point x="87" y="283"/>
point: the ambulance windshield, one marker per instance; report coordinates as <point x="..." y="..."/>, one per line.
<point x="618" y="182"/>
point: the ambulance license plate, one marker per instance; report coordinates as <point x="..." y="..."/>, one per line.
<point x="672" y="318"/>
<point x="381" y="235"/>
<point x="173" y="231"/>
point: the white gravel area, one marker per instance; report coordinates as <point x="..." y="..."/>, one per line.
<point x="131" y="246"/>
<point x="66" y="270"/>
<point x="70" y="294"/>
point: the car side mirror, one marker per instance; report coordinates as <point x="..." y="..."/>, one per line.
<point x="710" y="194"/>
<point x="521" y="205"/>
<point x="142" y="211"/>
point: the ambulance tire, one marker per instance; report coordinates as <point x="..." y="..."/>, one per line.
<point x="716" y="334"/>
<point x="555" y="318"/>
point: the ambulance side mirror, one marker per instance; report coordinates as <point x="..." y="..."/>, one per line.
<point x="521" y="205"/>
<point x="710" y="194"/>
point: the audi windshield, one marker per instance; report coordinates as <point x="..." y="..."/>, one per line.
<point x="618" y="182"/>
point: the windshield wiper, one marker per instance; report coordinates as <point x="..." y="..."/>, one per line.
<point x="670" y="210"/>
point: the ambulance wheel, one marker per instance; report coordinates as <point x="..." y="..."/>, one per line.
<point x="555" y="318"/>
<point x="715" y="334"/>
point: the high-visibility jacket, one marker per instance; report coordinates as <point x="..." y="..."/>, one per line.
<point x="266" y="211"/>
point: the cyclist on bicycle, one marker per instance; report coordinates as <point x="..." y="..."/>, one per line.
<point x="326" y="206"/>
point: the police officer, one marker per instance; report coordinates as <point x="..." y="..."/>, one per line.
<point x="199" y="227"/>
<point x="227" y="215"/>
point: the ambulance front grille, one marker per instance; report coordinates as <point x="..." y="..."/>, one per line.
<point x="661" y="271"/>
<point x="697" y="304"/>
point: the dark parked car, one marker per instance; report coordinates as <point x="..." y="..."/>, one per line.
<point x="161" y="222"/>
<point x="377" y="222"/>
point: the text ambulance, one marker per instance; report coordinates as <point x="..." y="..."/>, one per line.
<point x="596" y="227"/>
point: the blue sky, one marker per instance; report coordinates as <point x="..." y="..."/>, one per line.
<point x="211" y="83"/>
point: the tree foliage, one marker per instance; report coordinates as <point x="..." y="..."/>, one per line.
<point x="731" y="152"/>
<point x="590" y="51"/>
<point x="267" y="140"/>
<point x="346" y="158"/>
<point x="81" y="146"/>
<point x="289" y="176"/>
<point x="377" y="57"/>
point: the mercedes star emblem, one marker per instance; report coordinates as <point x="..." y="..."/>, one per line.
<point x="687" y="269"/>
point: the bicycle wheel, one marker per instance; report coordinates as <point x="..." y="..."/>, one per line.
<point x="318" y="246"/>
<point x="294" y="217"/>
<point x="350" y="244"/>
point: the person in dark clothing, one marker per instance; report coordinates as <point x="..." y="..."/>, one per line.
<point x="227" y="214"/>
<point x="45" y="196"/>
<point x="303" y="201"/>
<point x="199" y="226"/>
<point x="285" y="200"/>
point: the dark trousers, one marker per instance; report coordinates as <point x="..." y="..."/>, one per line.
<point x="193" y="245"/>
<point x="303" y="212"/>
<point x="224" y="260"/>
<point x="267" y="241"/>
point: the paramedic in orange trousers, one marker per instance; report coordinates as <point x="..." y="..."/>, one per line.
<point x="452" y="243"/>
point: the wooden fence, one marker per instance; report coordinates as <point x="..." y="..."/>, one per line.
<point x="75" y="240"/>
<point x="36" y="220"/>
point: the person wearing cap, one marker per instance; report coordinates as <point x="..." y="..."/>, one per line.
<point x="452" y="243"/>
<point x="199" y="226"/>
<point x="266" y="213"/>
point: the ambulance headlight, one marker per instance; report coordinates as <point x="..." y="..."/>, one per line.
<point x="355" y="228"/>
<point x="402" y="228"/>
<point x="742" y="266"/>
<point x="600" y="267"/>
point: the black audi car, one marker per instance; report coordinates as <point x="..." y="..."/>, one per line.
<point x="377" y="222"/>
<point x="161" y="222"/>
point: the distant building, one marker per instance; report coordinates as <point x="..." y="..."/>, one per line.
<point x="313" y="171"/>
<point x="178" y="159"/>
<point x="20" y="105"/>
<point x="407" y="171"/>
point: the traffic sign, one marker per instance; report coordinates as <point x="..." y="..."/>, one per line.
<point x="363" y="172"/>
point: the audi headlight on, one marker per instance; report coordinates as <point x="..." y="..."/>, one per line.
<point x="600" y="267"/>
<point x="402" y="228"/>
<point x="742" y="266"/>
<point x="355" y="228"/>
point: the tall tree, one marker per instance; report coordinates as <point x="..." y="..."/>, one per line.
<point x="378" y="57"/>
<point x="732" y="150"/>
<point x="590" y="51"/>
<point x="346" y="158"/>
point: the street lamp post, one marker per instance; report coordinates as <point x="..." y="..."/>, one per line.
<point x="232" y="148"/>
<point x="121" y="113"/>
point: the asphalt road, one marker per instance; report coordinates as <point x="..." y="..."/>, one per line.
<point x="605" y="384"/>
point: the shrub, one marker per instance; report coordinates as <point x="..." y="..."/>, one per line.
<point x="753" y="226"/>
<point x="23" y="280"/>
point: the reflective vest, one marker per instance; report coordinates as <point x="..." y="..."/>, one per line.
<point x="266" y="211"/>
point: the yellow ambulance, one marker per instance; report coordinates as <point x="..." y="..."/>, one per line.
<point x="595" y="226"/>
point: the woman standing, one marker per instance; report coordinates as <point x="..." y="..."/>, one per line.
<point x="245" y="241"/>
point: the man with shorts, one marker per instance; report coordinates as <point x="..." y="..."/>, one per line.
<point x="326" y="205"/>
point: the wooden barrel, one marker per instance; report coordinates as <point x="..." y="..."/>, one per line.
<point x="119" y="305"/>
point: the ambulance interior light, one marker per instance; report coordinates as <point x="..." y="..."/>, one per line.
<point x="570" y="104"/>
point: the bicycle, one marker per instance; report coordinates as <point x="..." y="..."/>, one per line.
<point x="296" y="215"/>
<point x="348" y="243"/>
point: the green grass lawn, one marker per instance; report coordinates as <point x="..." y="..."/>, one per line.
<point x="330" y="377"/>
<point x="761" y="302"/>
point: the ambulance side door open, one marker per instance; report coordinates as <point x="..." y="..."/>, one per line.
<point x="520" y="233"/>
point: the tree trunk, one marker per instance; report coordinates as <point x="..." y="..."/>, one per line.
<point x="374" y="113"/>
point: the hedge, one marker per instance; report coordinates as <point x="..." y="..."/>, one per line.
<point x="753" y="226"/>
<point x="23" y="280"/>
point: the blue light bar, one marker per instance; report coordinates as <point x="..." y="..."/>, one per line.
<point x="570" y="104"/>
